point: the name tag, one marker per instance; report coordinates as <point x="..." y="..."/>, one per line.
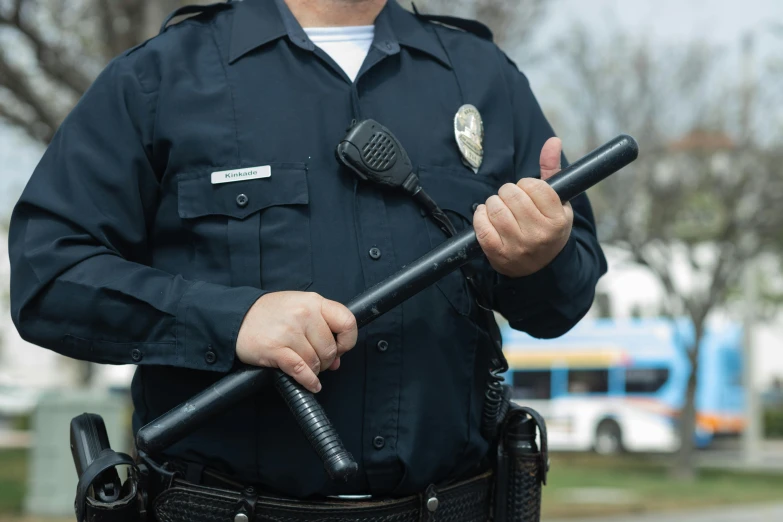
<point x="229" y="176"/>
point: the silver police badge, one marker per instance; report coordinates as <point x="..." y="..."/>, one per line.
<point x="469" y="132"/>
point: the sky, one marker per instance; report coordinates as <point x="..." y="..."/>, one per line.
<point x="666" y="22"/>
<point x="721" y="21"/>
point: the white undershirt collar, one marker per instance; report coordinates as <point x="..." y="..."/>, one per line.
<point x="347" y="46"/>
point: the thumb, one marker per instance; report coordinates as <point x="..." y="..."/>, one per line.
<point x="550" y="158"/>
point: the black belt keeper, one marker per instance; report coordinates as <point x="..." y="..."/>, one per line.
<point x="521" y="467"/>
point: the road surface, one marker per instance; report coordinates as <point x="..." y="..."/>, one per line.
<point x="766" y="513"/>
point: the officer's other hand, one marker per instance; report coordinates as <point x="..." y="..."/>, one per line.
<point x="301" y="333"/>
<point x="524" y="227"/>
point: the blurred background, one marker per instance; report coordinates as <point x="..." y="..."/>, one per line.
<point x="666" y="402"/>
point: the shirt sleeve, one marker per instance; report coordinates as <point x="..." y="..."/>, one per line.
<point x="81" y="280"/>
<point x="550" y="302"/>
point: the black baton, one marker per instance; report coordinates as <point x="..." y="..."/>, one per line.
<point x="455" y="252"/>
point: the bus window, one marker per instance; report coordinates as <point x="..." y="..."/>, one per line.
<point x="532" y="385"/>
<point x="645" y="380"/>
<point x="588" y="381"/>
<point x="732" y="367"/>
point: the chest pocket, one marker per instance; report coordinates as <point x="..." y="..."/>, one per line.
<point x="457" y="192"/>
<point x="258" y="230"/>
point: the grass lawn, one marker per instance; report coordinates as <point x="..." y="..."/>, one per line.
<point x="579" y="485"/>
<point x="584" y="485"/>
<point x="13" y="474"/>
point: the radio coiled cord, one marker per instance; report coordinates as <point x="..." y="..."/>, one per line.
<point x="496" y="403"/>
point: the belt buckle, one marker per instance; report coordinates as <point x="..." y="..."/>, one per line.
<point x="350" y="498"/>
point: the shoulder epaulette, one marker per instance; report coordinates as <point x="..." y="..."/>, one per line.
<point x="194" y="10"/>
<point x="471" y="26"/>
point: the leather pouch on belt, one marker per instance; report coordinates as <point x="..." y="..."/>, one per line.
<point x="521" y="467"/>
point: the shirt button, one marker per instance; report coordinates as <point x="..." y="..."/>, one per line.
<point x="242" y="200"/>
<point x="210" y="357"/>
<point x="475" y="207"/>
<point x="383" y="346"/>
<point x="375" y="253"/>
<point x="136" y="355"/>
<point x="389" y="46"/>
<point x="379" y="442"/>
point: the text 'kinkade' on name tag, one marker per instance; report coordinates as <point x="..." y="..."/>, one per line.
<point x="228" y="176"/>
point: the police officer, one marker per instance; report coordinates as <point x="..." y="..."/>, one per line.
<point x="190" y="215"/>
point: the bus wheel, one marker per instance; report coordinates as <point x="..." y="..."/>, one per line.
<point x="608" y="438"/>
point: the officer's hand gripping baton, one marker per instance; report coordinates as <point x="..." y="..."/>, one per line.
<point x="366" y="307"/>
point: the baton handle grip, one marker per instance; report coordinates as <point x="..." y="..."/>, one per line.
<point x="314" y="423"/>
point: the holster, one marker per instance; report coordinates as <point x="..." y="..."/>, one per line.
<point x="520" y="469"/>
<point x="129" y="507"/>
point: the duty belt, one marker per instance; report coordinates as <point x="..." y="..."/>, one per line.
<point x="466" y="501"/>
<point x="188" y="492"/>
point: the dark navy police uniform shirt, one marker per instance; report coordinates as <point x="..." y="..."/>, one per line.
<point x="124" y="252"/>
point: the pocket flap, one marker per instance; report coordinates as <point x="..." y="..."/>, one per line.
<point x="454" y="190"/>
<point x="199" y="197"/>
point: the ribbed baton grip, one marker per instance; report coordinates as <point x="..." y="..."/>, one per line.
<point x="314" y="423"/>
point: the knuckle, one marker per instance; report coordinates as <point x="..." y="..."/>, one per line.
<point x="314" y="300"/>
<point x="528" y="184"/>
<point x="489" y="241"/>
<point x="262" y="344"/>
<point x="560" y="221"/>
<point x="493" y="201"/>
<point x="495" y="207"/>
<point x="509" y="254"/>
<point x="301" y="311"/>
<point x="330" y="354"/>
<point x="509" y="192"/>
<point x="541" y="237"/>
<point x="297" y="367"/>
<point x="266" y="343"/>
<point x="496" y="246"/>
<point x="350" y="323"/>
<point x="315" y="363"/>
<point x="499" y="252"/>
<point x="483" y="232"/>
<point x="288" y="330"/>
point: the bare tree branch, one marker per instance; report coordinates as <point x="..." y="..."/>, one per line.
<point x="16" y="120"/>
<point x="702" y="200"/>
<point x="16" y="81"/>
<point x="70" y="41"/>
<point x="512" y="23"/>
<point x="51" y="57"/>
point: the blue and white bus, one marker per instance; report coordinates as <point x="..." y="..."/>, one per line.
<point x="611" y="385"/>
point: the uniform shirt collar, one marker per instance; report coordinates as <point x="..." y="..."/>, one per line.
<point x="258" y="22"/>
